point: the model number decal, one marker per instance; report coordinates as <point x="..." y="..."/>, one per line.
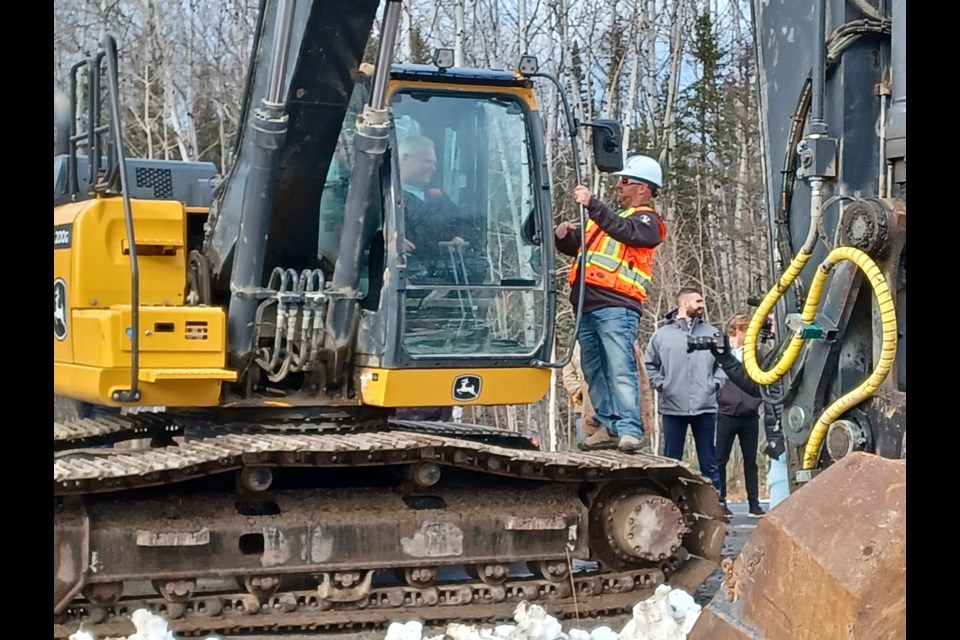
<point x="62" y="235"/>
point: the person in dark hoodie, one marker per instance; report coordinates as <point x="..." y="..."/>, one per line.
<point x="618" y="269"/>
<point x="738" y="417"/>
<point x="687" y="381"/>
<point x="732" y="364"/>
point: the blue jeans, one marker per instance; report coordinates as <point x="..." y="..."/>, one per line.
<point x="704" y="427"/>
<point x="609" y="367"/>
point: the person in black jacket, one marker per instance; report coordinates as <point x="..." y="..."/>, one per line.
<point x="738" y="417"/>
<point x="729" y="356"/>
<point x="443" y="244"/>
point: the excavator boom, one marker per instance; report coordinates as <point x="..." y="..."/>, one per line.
<point x="306" y="57"/>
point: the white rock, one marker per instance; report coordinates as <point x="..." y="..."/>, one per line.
<point x="410" y="630"/>
<point x="668" y="614"/>
<point x="629" y="631"/>
<point x="457" y="631"/>
<point x="534" y="623"/>
<point x="150" y="626"/>
<point x="603" y="633"/>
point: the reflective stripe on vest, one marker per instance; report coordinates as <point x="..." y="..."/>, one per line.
<point x="611" y="256"/>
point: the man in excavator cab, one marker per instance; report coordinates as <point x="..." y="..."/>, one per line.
<point x="440" y="239"/>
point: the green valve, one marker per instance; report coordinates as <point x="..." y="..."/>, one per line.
<point x="812" y="331"/>
<point x="805" y="330"/>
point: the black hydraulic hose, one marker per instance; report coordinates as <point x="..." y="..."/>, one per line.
<point x="573" y="129"/>
<point x="132" y="394"/>
<point x="783" y="240"/>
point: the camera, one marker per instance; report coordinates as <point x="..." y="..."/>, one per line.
<point x="701" y="343"/>
<point x="766" y="331"/>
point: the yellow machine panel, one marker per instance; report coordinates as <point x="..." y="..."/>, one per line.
<point x="182" y="350"/>
<point x="170" y="337"/>
<point x="181" y="363"/>
<point x="524" y="94"/>
<point x="442" y="387"/>
<point x="92" y="256"/>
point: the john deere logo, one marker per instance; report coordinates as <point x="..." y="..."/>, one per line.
<point x="59" y="309"/>
<point x="466" y="388"/>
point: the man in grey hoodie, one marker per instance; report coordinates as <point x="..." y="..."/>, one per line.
<point x="687" y="382"/>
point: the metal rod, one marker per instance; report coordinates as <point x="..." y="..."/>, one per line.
<point x="281" y="47"/>
<point x="388" y="35"/>
<point x="898" y="55"/>
<point x="896" y="122"/>
<point x="133" y="394"/>
<point x="581" y="288"/>
<point x="817" y="125"/>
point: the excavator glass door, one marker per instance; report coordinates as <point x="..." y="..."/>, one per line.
<point x="474" y="277"/>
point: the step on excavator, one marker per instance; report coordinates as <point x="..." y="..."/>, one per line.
<point x="829" y="561"/>
<point x="231" y="354"/>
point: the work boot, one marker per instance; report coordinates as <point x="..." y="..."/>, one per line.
<point x="633" y="444"/>
<point x="599" y="439"/>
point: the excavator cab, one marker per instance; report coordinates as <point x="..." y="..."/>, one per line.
<point x="457" y="216"/>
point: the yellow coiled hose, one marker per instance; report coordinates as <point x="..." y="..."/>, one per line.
<point x="887" y="351"/>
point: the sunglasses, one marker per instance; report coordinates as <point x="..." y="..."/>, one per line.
<point x="626" y="181"/>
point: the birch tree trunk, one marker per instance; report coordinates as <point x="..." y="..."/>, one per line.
<point x="459" y="33"/>
<point x="668" y="139"/>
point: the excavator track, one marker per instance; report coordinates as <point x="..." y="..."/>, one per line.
<point x="226" y="532"/>
<point x="78" y="433"/>
<point x="85" y="432"/>
<point x="303" y="610"/>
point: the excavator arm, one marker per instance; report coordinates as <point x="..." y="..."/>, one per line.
<point x="306" y="60"/>
<point x="834" y="142"/>
<point x="830" y="560"/>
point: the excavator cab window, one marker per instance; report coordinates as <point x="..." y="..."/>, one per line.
<point x="334" y="200"/>
<point x="475" y="284"/>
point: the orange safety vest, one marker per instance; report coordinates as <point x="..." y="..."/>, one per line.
<point x="612" y="265"/>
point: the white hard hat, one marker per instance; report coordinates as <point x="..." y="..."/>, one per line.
<point x="642" y="168"/>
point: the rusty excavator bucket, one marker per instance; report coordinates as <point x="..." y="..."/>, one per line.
<point x="830" y="562"/>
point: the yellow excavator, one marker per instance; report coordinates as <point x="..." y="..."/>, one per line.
<point x="830" y="560"/>
<point x="231" y="353"/>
